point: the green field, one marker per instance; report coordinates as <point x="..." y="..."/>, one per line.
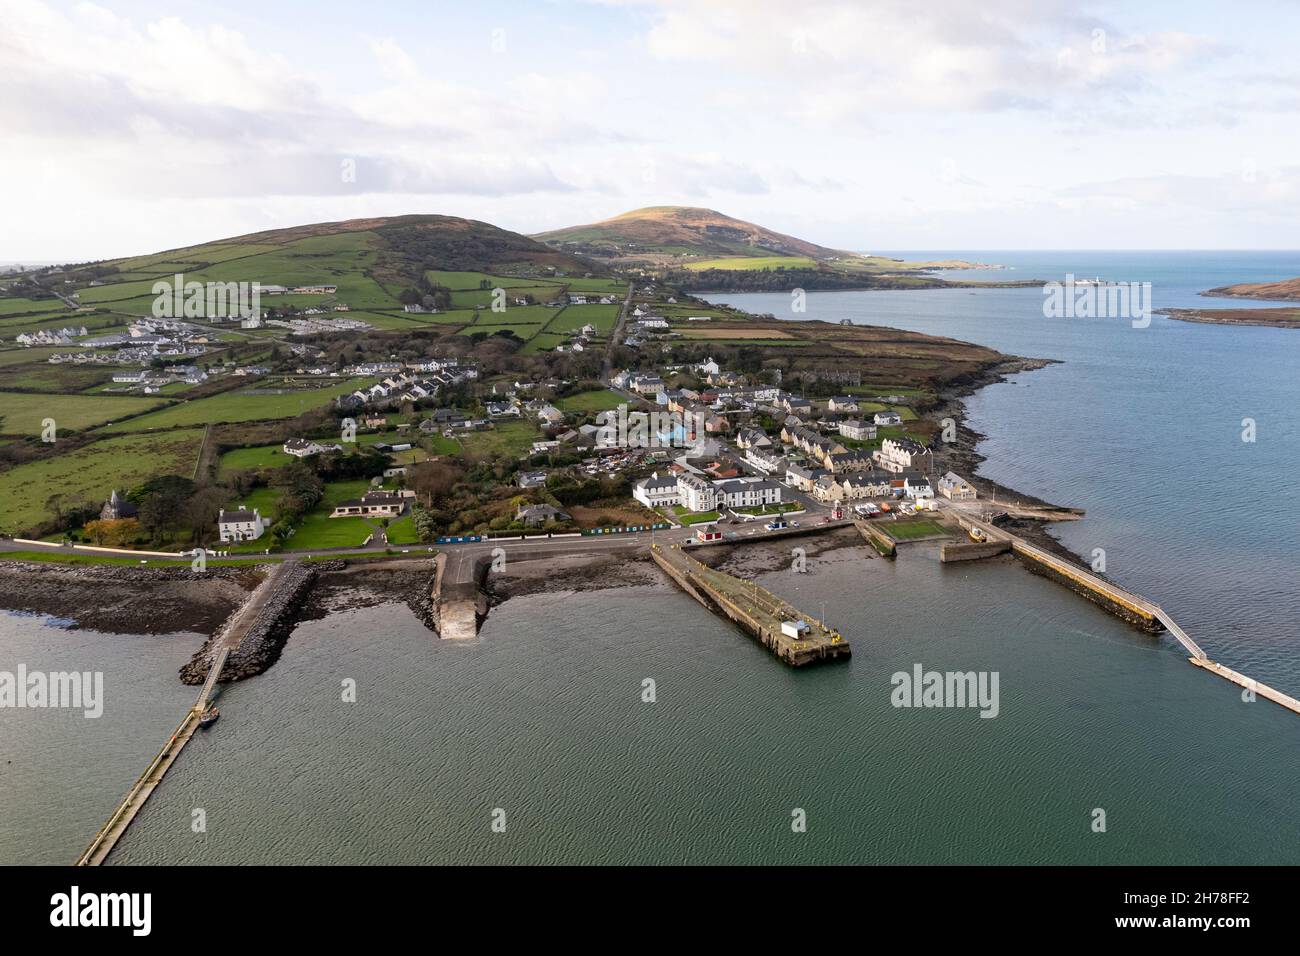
<point x="21" y="306"/>
<point x="759" y="263"/>
<point x="92" y="472"/>
<point x="22" y="414"/>
<point x="574" y="317"/>
<point x="460" y="281"/>
<point x="544" y="341"/>
<point x="522" y="331"/>
<point x="508" y="439"/>
<point x="26" y="356"/>
<point x="595" y="401"/>
<point x="252" y="459"/>
<point x="484" y="297"/>
<point x="240" y="406"/>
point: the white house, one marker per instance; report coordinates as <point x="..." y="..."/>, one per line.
<point x="842" y="403"/>
<point x="888" y="418"/>
<point x="708" y="367"/>
<point x="917" y="488"/>
<point x="696" y="493"/>
<point x="305" y="447"/>
<point x="857" y="430"/>
<point x="657" y="491"/>
<point x="748" y="492"/>
<point x="240" y="525"/>
<point x="766" y="460"/>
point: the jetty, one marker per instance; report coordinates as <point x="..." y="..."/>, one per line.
<point x="793" y="636"/>
<point x="249" y="627"/>
<point x="1134" y="608"/>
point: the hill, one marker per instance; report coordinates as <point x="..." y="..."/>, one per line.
<point x="701" y="249"/>
<point x="1286" y="289"/>
<point x="678" y="231"/>
<point x="371" y="261"/>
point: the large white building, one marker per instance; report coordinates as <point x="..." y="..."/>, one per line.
<point x="696" y="493"/>
<point x="748" y="492"/>
<point x="657" y="491"/>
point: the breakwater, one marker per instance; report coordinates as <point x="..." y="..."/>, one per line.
<point x="1134" y="608"/>
<point x="255" y="634"/>
<point x="794" y="637"/>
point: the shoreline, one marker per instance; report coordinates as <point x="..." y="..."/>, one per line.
<point x="140" y="600"/>
<point x="1269" y="318"/>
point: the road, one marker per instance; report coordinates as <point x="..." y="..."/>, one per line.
<point x="607" y="366"/>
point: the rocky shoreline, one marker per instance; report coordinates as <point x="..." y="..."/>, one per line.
<point x="126" y="600"/>
<point x="261" y="645"/>
<point x="962" y="457"/>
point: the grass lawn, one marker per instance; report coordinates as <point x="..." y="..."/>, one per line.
<point x="598" y="400"/>
<point x="693" y="517"/>
<point x="91" y="472"/>
<point x="782" y="508"/>
<point x="321" y="531"/>
<point x="439" y="444"/>
<point x="908" y="529"/>
<point x="507" y="439"/>
<point x="402" y="531"/>
<point x="240" y="406"/>
<point x="22" y="414"/>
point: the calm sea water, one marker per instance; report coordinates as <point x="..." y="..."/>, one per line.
<point x="1142" y="428"/>
<point x="542" y="716"/>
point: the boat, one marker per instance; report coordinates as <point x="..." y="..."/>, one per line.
<point x="978" y="536"/>
<point x="209" y="717"/>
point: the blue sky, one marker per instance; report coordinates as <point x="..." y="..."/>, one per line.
<point x="879" y="124"/>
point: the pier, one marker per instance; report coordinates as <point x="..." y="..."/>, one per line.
<point x="256" y="618"/>
<point x="102" y="845"/>
<point x="759" y="612"/>
<point x="1132" y="607"/>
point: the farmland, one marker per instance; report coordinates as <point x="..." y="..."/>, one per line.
<point x="22" y="413"/>
<point x="260" y="404"/>
<point x="89" y="473"/>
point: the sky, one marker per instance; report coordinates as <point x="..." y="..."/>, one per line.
<point x="875" y="125"/>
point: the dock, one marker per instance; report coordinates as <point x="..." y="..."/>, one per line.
<point x="1132" y="607"/>
<point x="102" y="845"/>
<point x="251" y="618"/>
<point x="756" y="610"/>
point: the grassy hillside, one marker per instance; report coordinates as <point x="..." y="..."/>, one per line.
<point x="681" y="231"/>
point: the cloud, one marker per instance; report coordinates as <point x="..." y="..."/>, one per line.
<point x="168" y="109"/>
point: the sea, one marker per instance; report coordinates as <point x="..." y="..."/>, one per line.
<point x="629" y="725"/>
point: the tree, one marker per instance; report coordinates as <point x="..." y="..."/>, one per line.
<point x="113" y="534"/>
<point x="433" y="480"/>
<point x="161" y="502"/>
